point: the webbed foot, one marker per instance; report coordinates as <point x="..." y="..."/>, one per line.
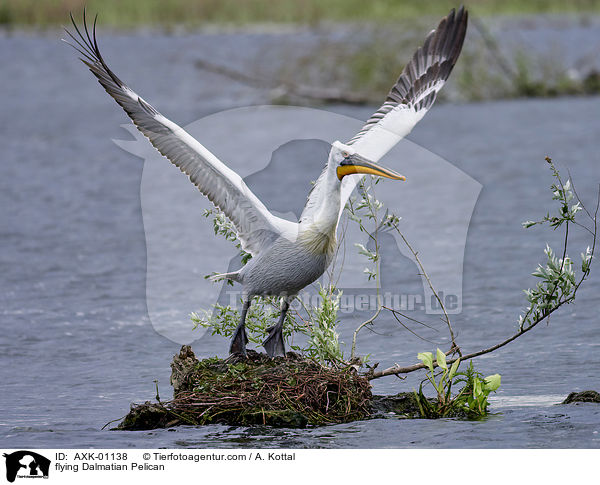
<point x="274" y="344"/>
<point x="239" y="341"/>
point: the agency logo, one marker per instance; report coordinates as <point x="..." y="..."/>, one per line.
<point x="26" y="464"/>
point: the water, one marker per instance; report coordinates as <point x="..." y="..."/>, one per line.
<point x="77" y="346"/>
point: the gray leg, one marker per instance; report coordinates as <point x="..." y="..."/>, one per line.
<point x="274" y="344"/>
<point x="240" y="339"/>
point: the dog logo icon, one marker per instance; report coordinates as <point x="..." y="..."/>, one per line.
<point x="26" y="464"/>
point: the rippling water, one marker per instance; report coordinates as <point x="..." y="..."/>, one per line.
<point x="77" y="346"/>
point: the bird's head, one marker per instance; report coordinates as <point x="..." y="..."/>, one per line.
<point x="348" y="162"/>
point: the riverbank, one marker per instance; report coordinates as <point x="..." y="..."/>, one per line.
<point x="136" y="13"/>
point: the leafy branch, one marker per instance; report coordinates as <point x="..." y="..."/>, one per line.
<point x="319" y="324"/>
<point x="222" y="226"/>
<point x="559" y="282"/>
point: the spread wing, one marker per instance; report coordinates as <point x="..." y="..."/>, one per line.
<point x="256" y="227"/>
<point x="413" y="94"/>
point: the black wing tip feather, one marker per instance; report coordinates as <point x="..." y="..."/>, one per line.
<point x="435" y="60"/>
<point x="451" y="31"/>
<point x="430" y="64"/>
<point x="457" y="25"/>
<point x="87" y="45"/>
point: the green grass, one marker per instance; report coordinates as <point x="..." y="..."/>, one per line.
<point x="165" y="13"/>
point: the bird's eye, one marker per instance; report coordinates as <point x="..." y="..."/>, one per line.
<point x="345" y="154"/>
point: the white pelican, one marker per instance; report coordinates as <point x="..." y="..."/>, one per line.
<point x="287" y="256"/>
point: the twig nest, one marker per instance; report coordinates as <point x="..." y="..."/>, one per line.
<point x="290" y="392"/>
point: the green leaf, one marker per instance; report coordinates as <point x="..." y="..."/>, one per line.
<point x="362" y="249"/>
<point x="441" y="359"/>
<point x="476" y="388"/>
<point x="427" y="359"/>
<point x="454" y="368"/>
<point x="492" y="382"/>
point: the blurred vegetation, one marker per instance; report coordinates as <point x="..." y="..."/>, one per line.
<point x="364" y="66"/>
<point x="193" y="13"/>
<point x="358" y="60"/>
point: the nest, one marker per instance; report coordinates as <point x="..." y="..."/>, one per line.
<point x="290" y="392"/>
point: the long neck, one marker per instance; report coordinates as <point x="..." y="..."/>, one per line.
<point x="323" y="205"/>
<point x="318" y="222"/>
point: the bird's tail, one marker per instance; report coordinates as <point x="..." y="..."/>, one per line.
<point x="224" y="276"/>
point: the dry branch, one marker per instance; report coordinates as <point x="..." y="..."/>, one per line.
<point x="282" y="89"/>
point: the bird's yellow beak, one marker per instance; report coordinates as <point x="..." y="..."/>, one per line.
<point x="357" y="164"/>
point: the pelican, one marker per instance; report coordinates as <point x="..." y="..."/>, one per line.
<point x="287" y="256"/>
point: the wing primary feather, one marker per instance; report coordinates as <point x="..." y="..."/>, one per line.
<point x="256" y="227"/>
<point x="422" y="78"/>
